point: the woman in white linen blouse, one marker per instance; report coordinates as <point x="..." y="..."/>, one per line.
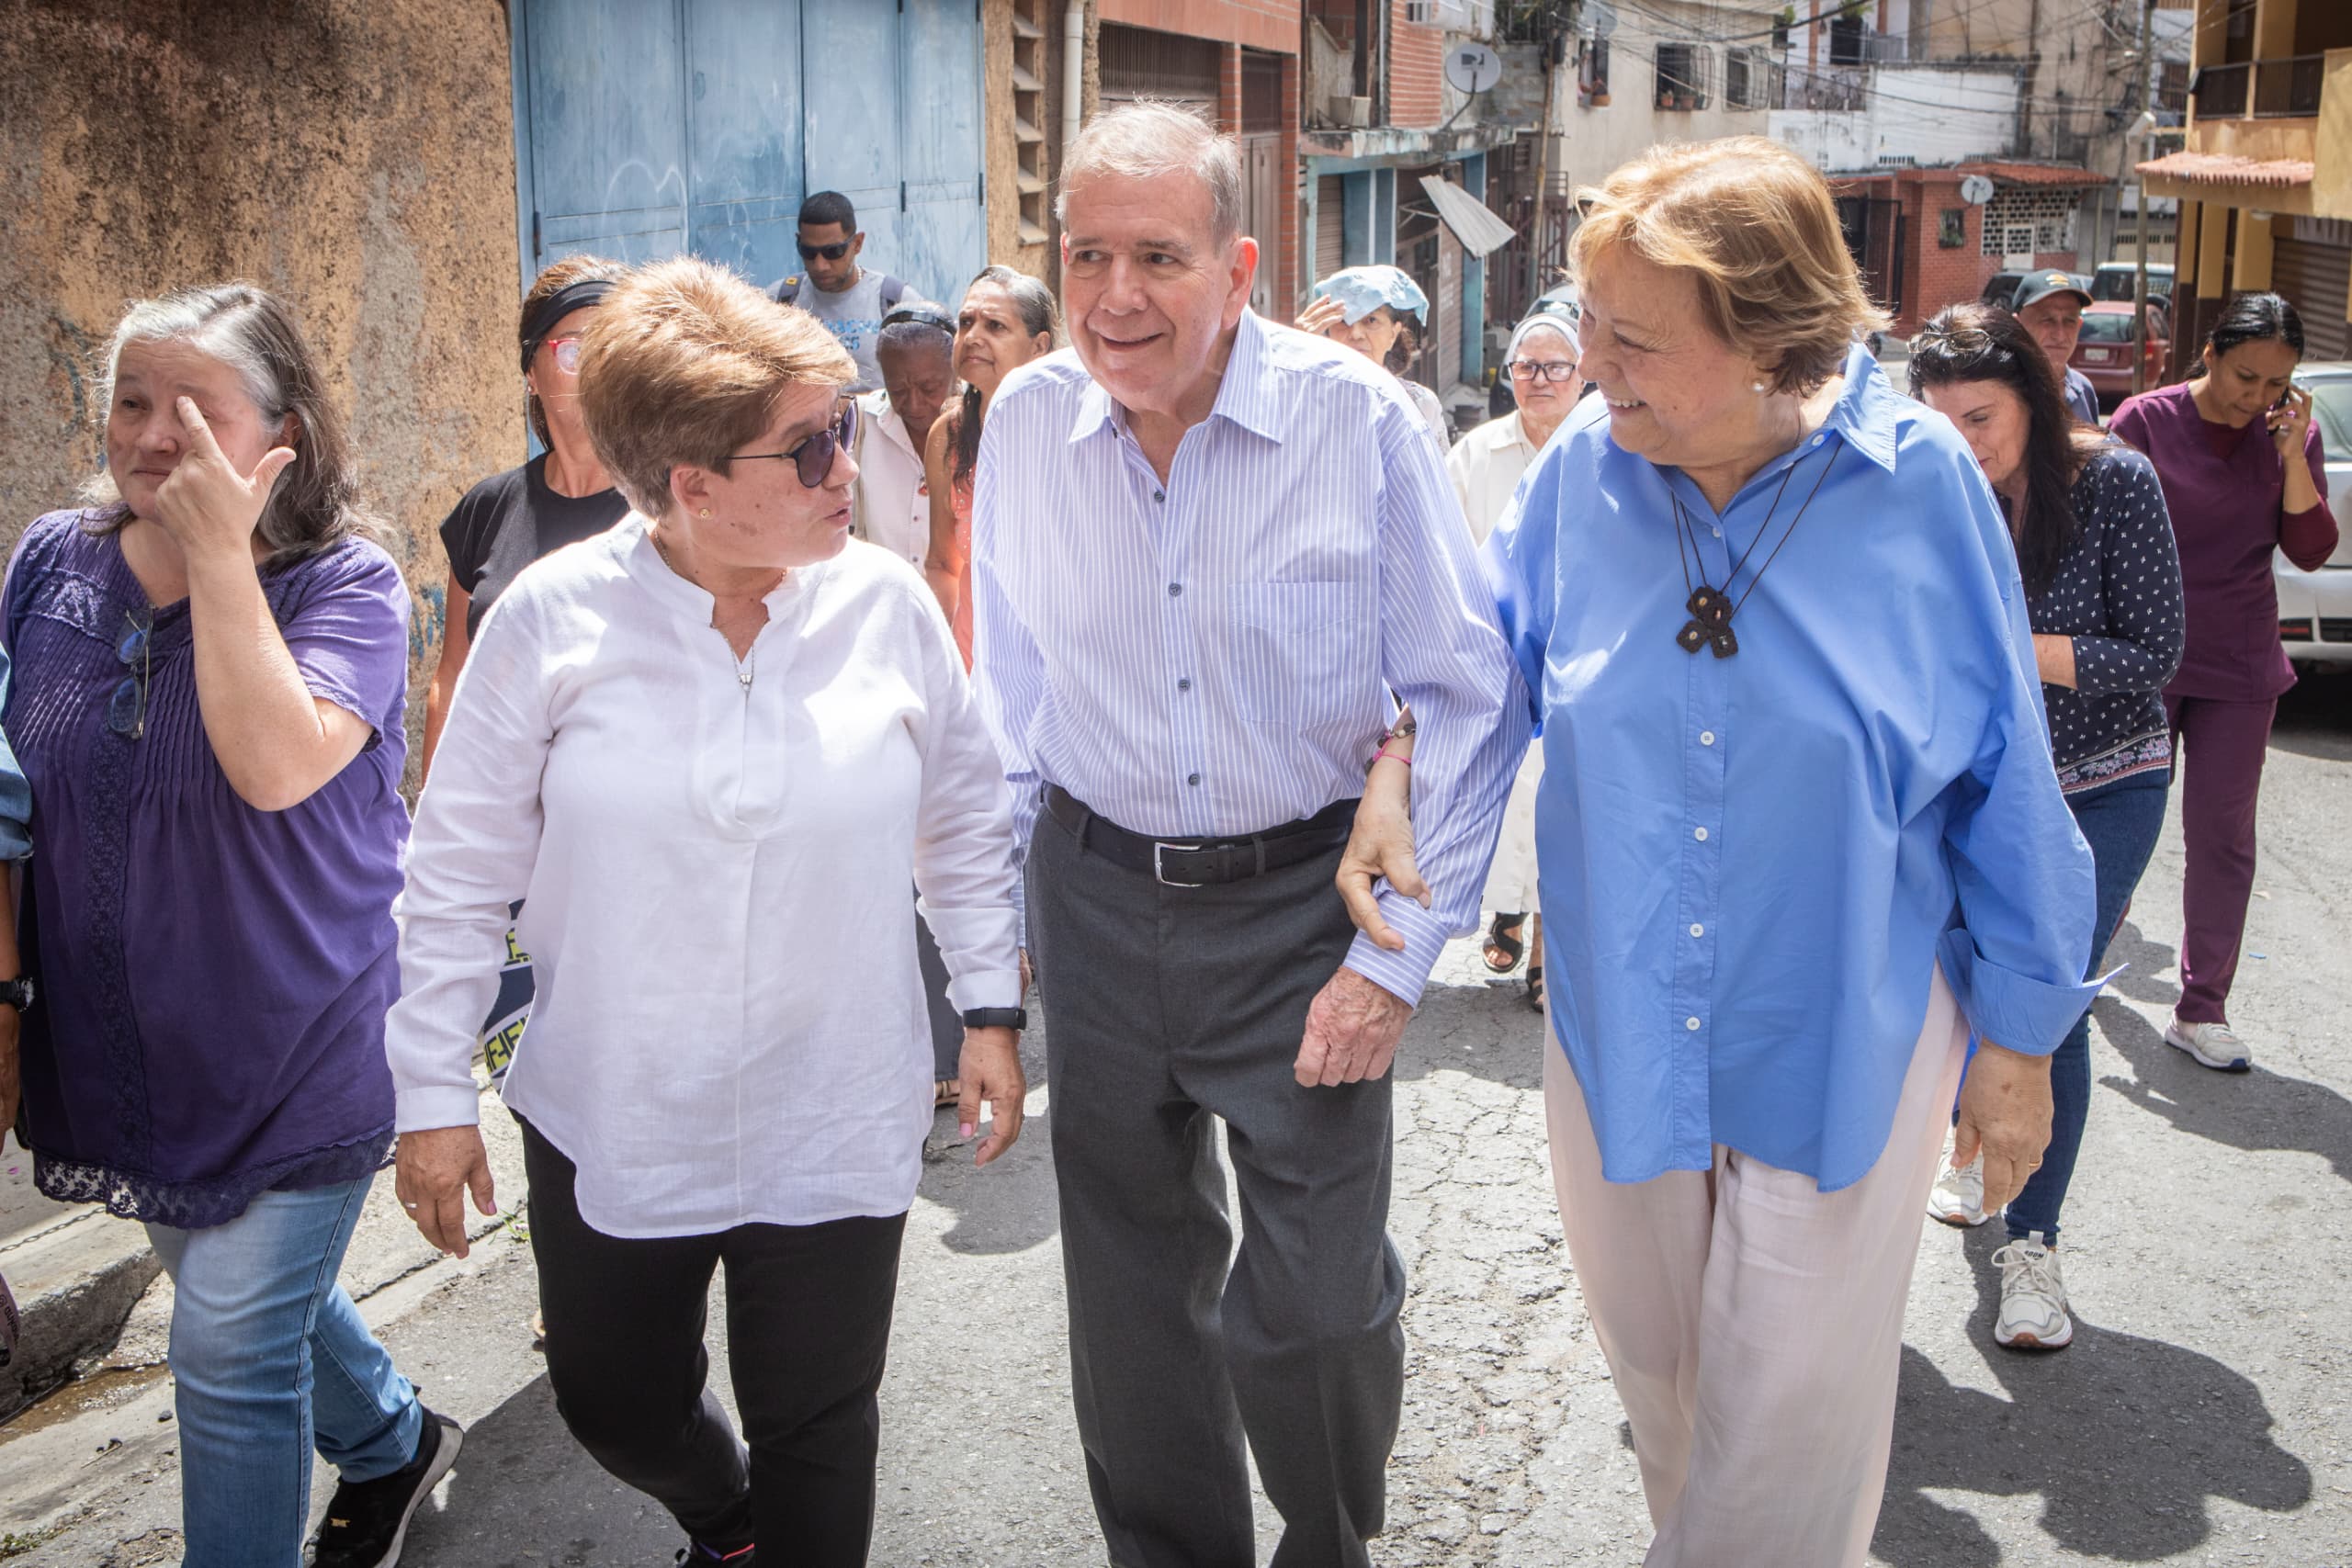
<point x="735" y="736"/>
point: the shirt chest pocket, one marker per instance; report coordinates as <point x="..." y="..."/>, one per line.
<point x="1290" y="644"/>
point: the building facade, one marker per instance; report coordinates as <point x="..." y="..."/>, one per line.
<point x="2265" y="173"/>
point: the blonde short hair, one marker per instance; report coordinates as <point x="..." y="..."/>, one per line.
<point x="1755" y="226"/>
<point x="684" y="362"/>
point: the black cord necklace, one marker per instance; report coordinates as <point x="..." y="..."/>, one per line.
<point x="1712" y="608"/>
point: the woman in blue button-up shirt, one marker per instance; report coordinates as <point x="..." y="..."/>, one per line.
<point x="1789" y="855"/>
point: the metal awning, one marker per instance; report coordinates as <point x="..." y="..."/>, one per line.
<point x="1478" y="228"/>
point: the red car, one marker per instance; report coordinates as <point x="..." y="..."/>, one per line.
<point x="2103" y="353"/>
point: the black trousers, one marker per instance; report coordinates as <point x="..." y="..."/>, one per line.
<point x="807" y="1324"/>
<point x="1169" y="1009"/>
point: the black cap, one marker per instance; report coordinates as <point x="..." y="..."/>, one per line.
<point x="2042" y="285"/>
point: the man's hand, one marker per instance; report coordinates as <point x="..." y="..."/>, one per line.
<point x="990" y="1070"/>
<point x="2003" y="1110"/>
<point x="1352" y="1028"/>
<point x="1381" y="844"/>
<point x="431" y="1174"/>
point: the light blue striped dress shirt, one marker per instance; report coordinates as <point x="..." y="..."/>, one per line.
<point x="1214" y="656"/>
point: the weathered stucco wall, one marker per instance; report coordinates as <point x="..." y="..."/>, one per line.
<point x="355" y="157"/>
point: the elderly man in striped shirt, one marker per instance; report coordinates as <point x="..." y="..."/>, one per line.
<point x="1208" y="550"/>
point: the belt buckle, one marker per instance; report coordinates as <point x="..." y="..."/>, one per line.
<point x="1159" y="869"/>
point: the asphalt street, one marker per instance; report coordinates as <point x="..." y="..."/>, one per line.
<point x="2202" y="1415"/>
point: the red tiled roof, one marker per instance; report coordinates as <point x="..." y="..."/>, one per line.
<point x="2222" y="169"/>
<point x="2074" y="176"/>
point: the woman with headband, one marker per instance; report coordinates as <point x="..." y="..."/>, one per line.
<point x="563" y="495"/>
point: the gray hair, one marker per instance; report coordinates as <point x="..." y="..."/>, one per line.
<point x="1151" y="136"/>
<point x="315" y="503"/>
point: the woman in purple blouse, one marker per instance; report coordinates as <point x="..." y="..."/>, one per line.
<point x="2243" y="474"/>
<point x="211" y="672"/>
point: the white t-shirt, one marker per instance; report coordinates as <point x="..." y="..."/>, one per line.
<point x="730" y="1026"/>
<point x="855" y="316"/>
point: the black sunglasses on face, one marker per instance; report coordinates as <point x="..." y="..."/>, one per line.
<point x="126" y="709"/>
<point x="813" y="459"/>
<point x="834" y="252"/>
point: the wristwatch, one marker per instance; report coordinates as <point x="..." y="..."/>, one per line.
<point x="19" y="994"/>
<point x="1015" y="1018"/>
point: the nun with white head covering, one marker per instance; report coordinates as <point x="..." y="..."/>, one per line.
<point x="1486" y="467"/>
<point x="1378" y="311"/>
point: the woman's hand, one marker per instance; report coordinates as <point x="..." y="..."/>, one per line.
<point x="207" y="507"/>
<point x="1321" y="315"/>
<point x="2290" y="424"/>
<point x="1381" y="844"/>
<point x="2005" y="1109"/>
<point x="990" y="1070"/>
<point x="2053" y="658"/>
<point x="431" y="1174"/>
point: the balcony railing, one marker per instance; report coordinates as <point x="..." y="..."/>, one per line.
<point x="2286" y="88"/>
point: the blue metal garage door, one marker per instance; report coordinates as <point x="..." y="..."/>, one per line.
<point x="648" y="127"/>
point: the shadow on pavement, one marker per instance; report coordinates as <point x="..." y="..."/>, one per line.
<point x="1011" y="1206"/>
<point x="2124" y="1439"/>
<point x="525" y="1496"/>
<point x="2145" y="960"/>
<point x="2259" y="1111"/>
<point x="1484" y="1029"/>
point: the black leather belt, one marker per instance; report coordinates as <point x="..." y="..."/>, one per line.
<point x="1202" y="863"/>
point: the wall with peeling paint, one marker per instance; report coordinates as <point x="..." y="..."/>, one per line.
<point x="355" y="157"/>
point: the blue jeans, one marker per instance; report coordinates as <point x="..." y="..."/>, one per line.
<point x="2120" y="822"/>
<point x="271" y="1359"/>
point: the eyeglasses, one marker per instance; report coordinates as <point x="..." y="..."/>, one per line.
<point x="126" y="709"/>
<point x="566" y="353"/>
<point x="830" y="253"/>
<point x="813" y="459"/>
<point x="918" y="315"/>
<point x="1539" y="370"/>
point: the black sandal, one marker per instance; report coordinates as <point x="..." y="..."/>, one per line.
<point x="1502" y="936"/>
<point x="1535" y="987"/>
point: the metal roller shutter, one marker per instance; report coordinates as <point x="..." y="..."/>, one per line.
<point x="2316" y="278"/>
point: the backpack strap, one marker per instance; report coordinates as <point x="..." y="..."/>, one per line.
<point x="893" y="290"/>
<point x="786" y="290"/>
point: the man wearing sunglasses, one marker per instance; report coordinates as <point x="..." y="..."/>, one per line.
<point x="845" y="297"/>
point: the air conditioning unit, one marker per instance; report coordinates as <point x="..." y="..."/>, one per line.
<point x="1353" y="114"/>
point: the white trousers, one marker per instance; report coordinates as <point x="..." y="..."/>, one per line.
<point x="1754" y="1325"/>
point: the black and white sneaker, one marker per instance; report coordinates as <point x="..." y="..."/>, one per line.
<point x="367" y="1520"/>
<point x="695" y="1554"/>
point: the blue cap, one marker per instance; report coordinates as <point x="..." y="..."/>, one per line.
<point x="1360" y="291"/>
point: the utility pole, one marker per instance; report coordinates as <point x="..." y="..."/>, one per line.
<point x="1543" y="179"/>
<point x="2147" y="116"/>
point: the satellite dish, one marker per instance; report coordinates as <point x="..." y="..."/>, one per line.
<point x="1472" y="67"/>
<point x="1601" y="18"/>
<point x="1977" y="190"/>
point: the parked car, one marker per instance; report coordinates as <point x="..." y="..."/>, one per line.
<point x="2315" y="608"/>
<point x="2000" y="288"/>
<point x="2114" y="280"/>
<point x="2103" y="353"/>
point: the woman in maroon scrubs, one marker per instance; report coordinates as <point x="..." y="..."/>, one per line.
<point x="2242" y="475"/>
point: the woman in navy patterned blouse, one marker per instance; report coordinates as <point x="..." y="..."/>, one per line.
<point x="2102" y="584"/>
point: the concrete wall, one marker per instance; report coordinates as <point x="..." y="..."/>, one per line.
<point x="355" y="157"/>
<point x="1595" y="139"/>
<point x="1920" y="114"/>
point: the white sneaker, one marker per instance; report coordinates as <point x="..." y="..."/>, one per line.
<point x="1958" y="1196"/>
<point x="2214" y="1045"/>
<point x="2033" y="1298"/>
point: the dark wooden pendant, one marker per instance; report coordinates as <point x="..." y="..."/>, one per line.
<point x="1709" y="622"/>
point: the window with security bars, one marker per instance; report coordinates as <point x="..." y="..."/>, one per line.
<point x="1682" y="76"/>
<point x="1749" y="80"/>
